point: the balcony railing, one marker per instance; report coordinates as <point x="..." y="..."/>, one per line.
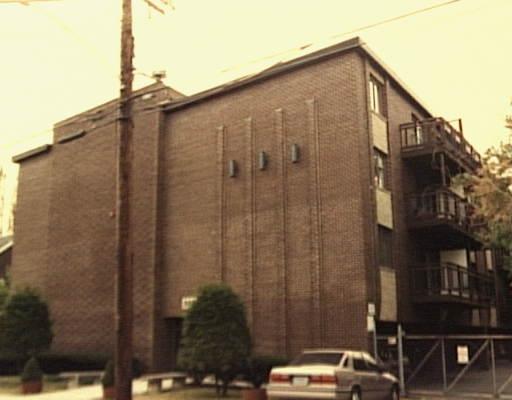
<point x="437" y="132"/>
<point x="441" y="205"/>
<point x="451" y="283"/>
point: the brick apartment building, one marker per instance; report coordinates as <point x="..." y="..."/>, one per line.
<point x="314" y="188"/>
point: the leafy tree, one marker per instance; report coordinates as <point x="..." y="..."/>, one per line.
<point x="216" y="338"/>
<point x="491" y="193"/>
<point x="2" y="198"/>
<point x="7" y="204"/>
<point x="25" y="324"/>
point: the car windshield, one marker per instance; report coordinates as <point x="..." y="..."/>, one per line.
<point x="318" y="358"/>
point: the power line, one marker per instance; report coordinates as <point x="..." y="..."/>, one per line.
<point x="387" y="21"/>
<point x="24" y="2"/>
<point x="26" y="138"/>
<point x="360" y="29"/>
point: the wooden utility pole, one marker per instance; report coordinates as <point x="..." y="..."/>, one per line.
<point x="124" y="276"/>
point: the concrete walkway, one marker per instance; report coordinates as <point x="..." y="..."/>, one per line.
<point x="90" y="392"/>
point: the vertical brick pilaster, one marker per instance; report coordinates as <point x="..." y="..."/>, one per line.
<point x="316" y="222"/>
<point x="280" y="133"/>
<point x="221" y="198"/>
<point x="251" y="216"/>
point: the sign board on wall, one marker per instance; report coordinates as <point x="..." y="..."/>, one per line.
<point x="187" y="301"/>
<point x="462" y="354"/>
<point x="370" y="323"/>
<point x="371" y="309"/>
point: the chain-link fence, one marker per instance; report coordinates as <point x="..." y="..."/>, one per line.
<point x="462" y="365"/>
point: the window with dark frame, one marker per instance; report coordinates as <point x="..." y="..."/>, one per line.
<point x="472" y="259"/>
<point x="415" y="136"/>
<point x="385" y="245"/>
<point x="489" y="261"/>
<point x="380" y="176"/>
<point x="377" y="96"/>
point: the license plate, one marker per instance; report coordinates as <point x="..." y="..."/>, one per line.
<point x="300" y="381"/>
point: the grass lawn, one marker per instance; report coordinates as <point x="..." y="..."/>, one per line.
<point x="12" y="384"/>
<point x="191" y="394"/>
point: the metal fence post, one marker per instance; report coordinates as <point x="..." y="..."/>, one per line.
<point x="443" y="360"/>
<point x="375" y="344"/>
<point x="493" y="366"/>
<point x="401" y="359"/>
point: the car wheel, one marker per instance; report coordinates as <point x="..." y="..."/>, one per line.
<point x="355" y="394"/>
<point x="395" y="393"/>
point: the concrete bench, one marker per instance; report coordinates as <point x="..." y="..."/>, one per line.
<point x="77" y="378"/>
<point x="155" y="380"/>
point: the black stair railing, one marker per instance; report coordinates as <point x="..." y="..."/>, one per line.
<point x="451" y="281"/>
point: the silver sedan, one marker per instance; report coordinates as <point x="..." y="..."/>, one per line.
<point x="333" y="374"/>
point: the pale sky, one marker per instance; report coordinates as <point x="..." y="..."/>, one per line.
<point x="61" y="58"/>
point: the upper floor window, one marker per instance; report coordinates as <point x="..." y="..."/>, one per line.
<point x="381" y="178"/>
<point x="376" y="96"/>
<point x="385" y="246"/>
<point x="416" y="135"/>
<point x="472" y="259"/>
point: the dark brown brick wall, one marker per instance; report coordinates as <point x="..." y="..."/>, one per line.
<point x="29" y="256"/>
<point x="81" y="253"/>
<point x="296" y="240"/>
<point x="66" y="228"/>
<point x="293" y="239"/>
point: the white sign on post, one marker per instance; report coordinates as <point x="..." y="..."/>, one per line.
<point x="462" y="354"/>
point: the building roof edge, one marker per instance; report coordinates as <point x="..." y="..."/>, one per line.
<point x="370" y="53"/>
<point x="152" y="88"/>
<point x="31" y="153"/>
<point x="339" y="48"/>
<point x="6" y="247"/>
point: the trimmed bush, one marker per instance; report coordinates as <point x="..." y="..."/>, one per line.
<point x="55" y="363"/>
<point x="216" y="338"/>
<point x="9" y="365"/>
<point x="32" y="371"/>
<point x="26" y="326"/>
<point x="258" y="368"/>
<point x="108" y="379"/>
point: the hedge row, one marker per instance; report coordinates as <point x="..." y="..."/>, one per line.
<point x="54" y="363"/>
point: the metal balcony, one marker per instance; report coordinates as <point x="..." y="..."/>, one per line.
<point x="442" y="215"/>
<point x="452" y="284"/>
<point x="420" y="139"/>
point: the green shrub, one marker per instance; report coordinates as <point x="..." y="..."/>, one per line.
<point x="258" y="368"/>
<point x="108" y="379"/>
<point x="32" y="371"/>
<point x="25" y="324"/>
<point x="216" y="337"/>
<point x="55" y="363"/>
